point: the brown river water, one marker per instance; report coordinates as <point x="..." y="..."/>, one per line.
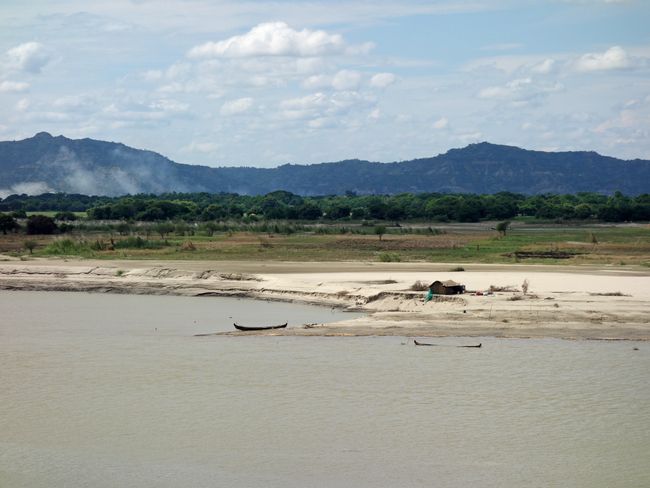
<point x="115" y="391"/>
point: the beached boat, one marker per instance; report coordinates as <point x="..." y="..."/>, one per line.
<point x="448" y="345"/>
<point x="268" y="327"/>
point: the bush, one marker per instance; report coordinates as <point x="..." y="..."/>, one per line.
<point x="41" y="224"/>
<point x="68" y="216"/>
<point x="8" y="223"/>
<point x="389" y="257"/>
<point x="64" y="228"/>
<point x="419" y="286"/>
<point x="138" y="243"/>
<point x="502" y="227"/>
<point x="30" y="245"/>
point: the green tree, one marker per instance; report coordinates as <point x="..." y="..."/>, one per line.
<point x="41" y="224"/>
<point x="163" y="228"/>
<point x="30" y="246"/>
<point x="65" y="216"/>
<point x="502" y="227"/>
<point x="123" y="228"/>
<point x="380" y="230"/>
<point x="8" y="223"/>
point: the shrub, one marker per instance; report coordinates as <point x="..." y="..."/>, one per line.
<point x="419" y="286"/>
<point x="41" y="224"/>
<point x="68" y="216"/>
<point x="8" y="223"/>
<point x="30" y="246"/>
<point x="389" y="257"/>
<point x="502" y="227"/>
<point x="494" y="288"/>
<point x="138" y="243"/>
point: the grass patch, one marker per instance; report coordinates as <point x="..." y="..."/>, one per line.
<point x="453" y="244"/>
<point x="138" y="243"/>
<point x="389" y="257"/>
<point x="68" y="247"/>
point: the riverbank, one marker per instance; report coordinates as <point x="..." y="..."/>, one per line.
<point x="561" y="302"/>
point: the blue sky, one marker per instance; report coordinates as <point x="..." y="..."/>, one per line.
<point x="262" y="83"/>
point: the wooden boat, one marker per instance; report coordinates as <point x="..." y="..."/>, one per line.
<point x="480" y="344"/>
<point x="268" y="327"/>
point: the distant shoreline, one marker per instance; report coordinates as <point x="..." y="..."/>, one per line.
<point x="604" y="303"/>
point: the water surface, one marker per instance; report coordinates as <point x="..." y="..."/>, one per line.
<point x="114" y="390"/>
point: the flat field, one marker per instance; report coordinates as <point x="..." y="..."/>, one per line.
<point x="594" y="244"/>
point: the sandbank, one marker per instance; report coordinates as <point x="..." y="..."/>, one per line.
<point x="609" y="303"/>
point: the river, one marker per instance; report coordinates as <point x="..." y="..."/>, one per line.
<point x="105" y="390"/>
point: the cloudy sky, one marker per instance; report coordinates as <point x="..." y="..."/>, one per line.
<point x="261" y="83"/>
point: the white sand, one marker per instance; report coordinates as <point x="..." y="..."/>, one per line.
<point x="563" y="302"/>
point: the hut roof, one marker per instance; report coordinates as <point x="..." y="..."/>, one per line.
<point x="447" y="283"/>
<point x="450" y="283"/>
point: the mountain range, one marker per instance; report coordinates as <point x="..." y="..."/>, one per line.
<point x="44" y="163"/>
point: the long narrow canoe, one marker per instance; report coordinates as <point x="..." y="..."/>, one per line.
<point x="448" y="345"/>
<point x="268" y="327"/>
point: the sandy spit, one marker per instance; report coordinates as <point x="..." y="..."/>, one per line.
<point x="561" y="302"/>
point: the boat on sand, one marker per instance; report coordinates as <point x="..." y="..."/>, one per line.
<point x="267" y="327"/>
<point x="440" y="345"/>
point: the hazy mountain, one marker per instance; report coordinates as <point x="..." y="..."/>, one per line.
<point x="45" y="163"/>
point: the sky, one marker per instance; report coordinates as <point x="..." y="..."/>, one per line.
<point x="263" y="83"/>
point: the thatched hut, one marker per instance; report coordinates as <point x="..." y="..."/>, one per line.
<point x="448" y="287"/>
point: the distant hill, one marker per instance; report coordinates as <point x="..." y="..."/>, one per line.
<point x="45" y="163"/>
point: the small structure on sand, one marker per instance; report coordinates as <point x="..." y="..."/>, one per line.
<point x="448" y="287"/>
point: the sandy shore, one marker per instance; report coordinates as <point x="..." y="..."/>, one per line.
<point x="562" y="302"/>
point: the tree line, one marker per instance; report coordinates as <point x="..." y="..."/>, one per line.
<point x="283" y="205"/>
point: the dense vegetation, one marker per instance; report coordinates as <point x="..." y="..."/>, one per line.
<point x="282" y="205"/>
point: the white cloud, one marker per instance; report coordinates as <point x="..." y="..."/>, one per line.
<point x="303" y="107"/>
<point x="13" y="86"/>
<point x="30" y="57"/>
<point x="169" y="106"/>
<point x="544" y="67"/>
<point x="320" y="105"/>
<point x="382" y="80"/>
<point x="520" y="90"/>
<point x="201" y="147"/>
<point x="346" y="80"/>
<point x="152" y="75"/>
<point x="273" y="39"/>
<point x="22" y="105"/>
<point x="441" y="123"/>
<point x="341" y="80"/>
<point x="469" y="137"/>
<point x="506" y="90"/>
<point x="321" y="123"/>
<point x="236" y="107"/>
<point x="317" y="81"/>
<point x="614" y="58"/>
